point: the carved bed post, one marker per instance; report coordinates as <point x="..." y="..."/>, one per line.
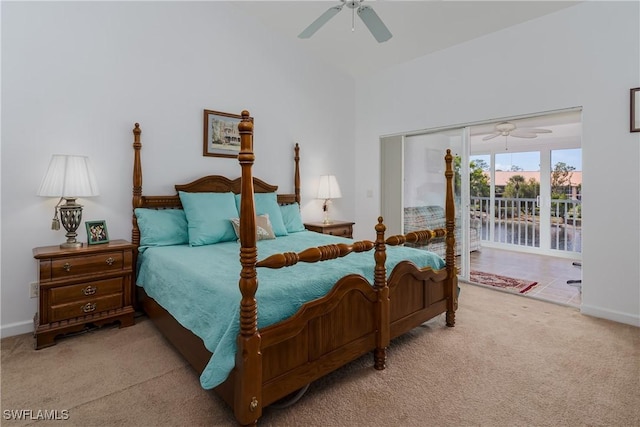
<point x="136" y="203"/>
<point x="137" y="182"/>
<point x="296" y="175"/>
<point x="248" y="380"/>
<point x="380" y="284"/>
<point x="450" y="258"/>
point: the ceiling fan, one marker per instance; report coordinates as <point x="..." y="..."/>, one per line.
<point x="510" y="129"/>
<point x="366" y="13"/>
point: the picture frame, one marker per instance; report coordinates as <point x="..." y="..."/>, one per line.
<point x="635" y="110"/>
<point x="97" y="232"/>
<point x="221" y="134"/>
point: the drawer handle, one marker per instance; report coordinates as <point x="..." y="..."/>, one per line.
<point x="89" y="290"/>
<point x="110" y="261"/>
<point x="67" y="267"/>
<point x="89" y="307"/>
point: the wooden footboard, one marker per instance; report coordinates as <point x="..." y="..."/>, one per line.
<point x="324" y="334"/>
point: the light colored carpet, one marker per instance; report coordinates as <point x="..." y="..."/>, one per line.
<point x="510" y="361"/>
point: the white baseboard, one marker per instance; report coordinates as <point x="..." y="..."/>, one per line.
<point x="18" y="328"/>
<point x="626" y="318"/>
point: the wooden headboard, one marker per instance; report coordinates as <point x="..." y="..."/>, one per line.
<point x="210" y="184"/>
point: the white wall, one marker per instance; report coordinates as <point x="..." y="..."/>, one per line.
<point x="77" y="75"/>
<point x="586" y="55"/>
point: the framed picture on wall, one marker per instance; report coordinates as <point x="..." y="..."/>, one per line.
<point x="97" y="232"/>
<point x="635" y="109"/>
<point x="221" y="135"/>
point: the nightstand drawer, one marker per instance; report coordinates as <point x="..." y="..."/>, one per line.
<point x="83" y="291"/>
<point x="340" y="231"/>
<point x="84" y="307"/>
<point x="77" y="266"/>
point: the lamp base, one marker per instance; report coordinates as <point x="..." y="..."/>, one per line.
<point x="325" y="208"/>
<point x="71" y="245"/>
<point x="71" y="217"/>
<point x="327" y="220"/>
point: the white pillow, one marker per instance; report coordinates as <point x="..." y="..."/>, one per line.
<point x="264" y="230"/>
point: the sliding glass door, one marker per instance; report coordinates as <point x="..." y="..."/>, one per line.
<point x="415" y="164"/>
<point x="517" y="184"/>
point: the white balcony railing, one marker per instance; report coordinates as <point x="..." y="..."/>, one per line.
<point x="516" y="221"/>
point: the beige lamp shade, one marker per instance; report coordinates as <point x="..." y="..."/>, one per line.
<point x="69" y="177"/>
<point x="328" y="187"/>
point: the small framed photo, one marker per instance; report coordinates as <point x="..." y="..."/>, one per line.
<point x="635" y="110"/>
<point x="221" y="134"/>
<point x="97" y="232"/>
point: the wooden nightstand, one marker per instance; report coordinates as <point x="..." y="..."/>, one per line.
<point x="77" y="287"/>
<point x="336" y="228"/>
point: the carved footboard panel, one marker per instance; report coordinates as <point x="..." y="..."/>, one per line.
<point x="322" y="336"/>
<point x="415" y="296"/>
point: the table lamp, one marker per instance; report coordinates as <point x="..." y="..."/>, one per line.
<point x="327" y="190"/>
<point x="69" y="177"/>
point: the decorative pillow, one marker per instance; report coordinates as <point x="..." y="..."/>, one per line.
<point x="162" y="227"/>
<point x="208" y="217"/>
<point x="267" y="203"/>
<point x="292" y="218"/>
<point x="264" y="231"/>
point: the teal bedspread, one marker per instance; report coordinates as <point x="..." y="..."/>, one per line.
<point x="199" y="286"/>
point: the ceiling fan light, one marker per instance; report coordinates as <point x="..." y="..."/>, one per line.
<point x="505" y="127"/>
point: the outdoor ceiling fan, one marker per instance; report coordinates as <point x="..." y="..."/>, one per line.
<point x="366" y="13"/>
<point x="510" y="129"/>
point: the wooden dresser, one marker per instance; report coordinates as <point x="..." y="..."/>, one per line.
<point x="335" y="228"/>
<point x="83" y="286"/>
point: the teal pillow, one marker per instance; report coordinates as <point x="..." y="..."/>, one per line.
<point x="292" y="218"/>
<point x="162" y="227"/>
<point x="267" y="203"/>
<point x="208" y="217"/>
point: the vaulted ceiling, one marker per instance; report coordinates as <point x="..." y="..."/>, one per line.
<point x="418" y="27"/>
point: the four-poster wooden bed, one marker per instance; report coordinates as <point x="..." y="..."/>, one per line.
<point x="353" y="318"/>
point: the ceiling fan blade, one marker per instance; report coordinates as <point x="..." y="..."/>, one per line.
<point x="530" y="130"/>
<point x="374" y="24"/>
<point x="523" y="134"/>
<point x="322" y="19"/>
<point x="488" y="137"/>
